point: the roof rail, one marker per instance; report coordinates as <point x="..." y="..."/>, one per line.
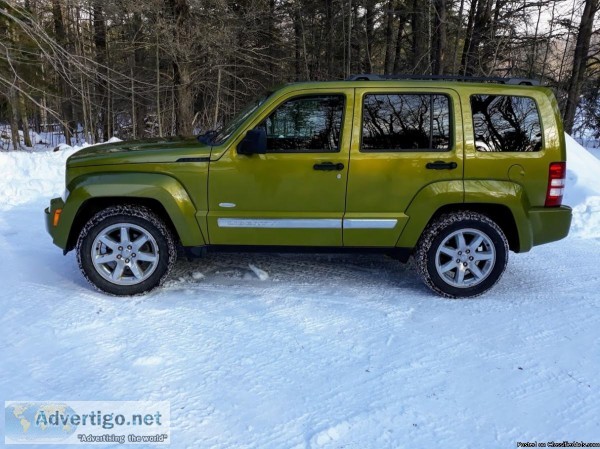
<point x="477" y="79"/>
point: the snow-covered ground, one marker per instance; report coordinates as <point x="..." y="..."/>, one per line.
<point x="305" y="351"/>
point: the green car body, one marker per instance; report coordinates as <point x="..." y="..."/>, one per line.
<point x="210" y="195"/>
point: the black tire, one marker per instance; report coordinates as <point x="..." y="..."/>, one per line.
<point x="137" y="216"/>
<point x="438" y="233"/>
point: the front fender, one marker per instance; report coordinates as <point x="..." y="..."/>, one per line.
<point x="162" y="188"/>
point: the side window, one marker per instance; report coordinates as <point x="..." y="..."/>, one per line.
<point x="306" y="125"/>
<point x="506" y="123"/>
<point x="406" y="122"/>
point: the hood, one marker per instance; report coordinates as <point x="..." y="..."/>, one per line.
<point x="158" y="150"/>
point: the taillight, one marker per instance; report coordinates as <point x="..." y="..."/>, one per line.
<point x="556" y="183"/>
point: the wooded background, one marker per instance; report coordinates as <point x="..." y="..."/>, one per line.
<point x="91" y="69"/>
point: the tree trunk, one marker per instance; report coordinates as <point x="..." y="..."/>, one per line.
<point x="64" y="88"/>
<point x="580" y="59"/>
<point x="564" y="53"/>
<point x="14" y="118"/>
<point x="272" y="42"/>
<point x="183" y="98"/>
<point x="402" y="19"/>
<point x="217" y="98"/>
<point x="43" y="114"/>
<point x="420" y="38"/>
<point x="24" y="119"/>
<point x="457" y="35"/>
<point x="533" y="56"/>
<point x="101" y="60"/>
<point x="297" y="43"/>
<point x="87" y="132"/>
<point x="356" y="41"/>
<point x="139" y="61"/>
<point x="439" y="37"/>
<point x="480" y="25"/>
<point x="184" y="103"/>
<point x="548" y="42"/>
<point x="158" y="106"/>
<point x="369" y="32"/>
<point x="388" y="62"/>
<point x="349" y="58"/>
<point x="466" y="53"/>
<point x="329" y="37"/>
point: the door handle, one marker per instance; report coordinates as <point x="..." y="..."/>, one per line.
<point x="441" y="165"/>
<point x="329" y="166"/>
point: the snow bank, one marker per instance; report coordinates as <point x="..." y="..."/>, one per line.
<point x="26" y="176"/>
<point x="583" y="173"/>
<point x="583" y="190"/>
<point x="586" y="219"/>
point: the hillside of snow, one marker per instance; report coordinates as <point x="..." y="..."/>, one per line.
<point x="310" y="351"/>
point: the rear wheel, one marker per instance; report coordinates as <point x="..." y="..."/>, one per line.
<point x="126" y="250"/>
<point x="462" y="254"/>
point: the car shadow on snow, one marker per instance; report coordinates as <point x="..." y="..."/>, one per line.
<point x="318" y="271"/>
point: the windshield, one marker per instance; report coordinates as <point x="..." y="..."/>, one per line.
<point x="226" y="131"/>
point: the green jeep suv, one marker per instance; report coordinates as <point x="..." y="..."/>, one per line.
<point x="454" y="173"/>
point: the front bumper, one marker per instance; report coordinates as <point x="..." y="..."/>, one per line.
<point x="54" y="231"/>
<point x="549" y="224"/>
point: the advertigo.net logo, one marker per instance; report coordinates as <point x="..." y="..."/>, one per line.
<point x="87" y="422"/>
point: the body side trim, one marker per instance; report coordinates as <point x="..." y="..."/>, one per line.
<point x="307" y="223"/>
<point x="370" y="223"/>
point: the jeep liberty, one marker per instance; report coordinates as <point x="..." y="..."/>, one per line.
<point x="453" y="172"/>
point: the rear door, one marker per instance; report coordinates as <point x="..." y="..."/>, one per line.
<point x="404" y="139"/>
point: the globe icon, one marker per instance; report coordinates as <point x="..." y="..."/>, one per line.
<point x="30" y="422"/>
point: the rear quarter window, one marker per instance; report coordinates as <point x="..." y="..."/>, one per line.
<point x="506" y="123"/>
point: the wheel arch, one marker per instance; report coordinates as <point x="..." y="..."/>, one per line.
<point x="499" y="213"/>
<point x="161" y="193"/>
<point x="92" y="206"/>
<point x="503" y="202"/>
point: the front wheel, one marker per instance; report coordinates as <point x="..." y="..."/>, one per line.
<point x="125" y="250"/>
<point x="462" y="254"/>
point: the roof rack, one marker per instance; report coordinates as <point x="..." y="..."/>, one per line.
<point x="476" y="79"/>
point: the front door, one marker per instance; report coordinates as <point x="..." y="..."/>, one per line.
<point x="294" y="195"/>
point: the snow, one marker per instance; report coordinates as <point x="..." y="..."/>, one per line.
<point x="583" y="190"/>
<point x="113" y="140"/>
<point x="583" y="170"/>
<point x="30" y="176"/>
<point x="27" y="176"/>
<point x="310" y="351"/>
<point x="260" y="274"/>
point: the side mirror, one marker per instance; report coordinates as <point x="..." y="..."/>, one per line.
<point x="255" y="142"/>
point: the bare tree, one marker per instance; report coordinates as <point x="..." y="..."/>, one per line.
<point x="137" y="69"/>
<point x="580" y="60"/>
